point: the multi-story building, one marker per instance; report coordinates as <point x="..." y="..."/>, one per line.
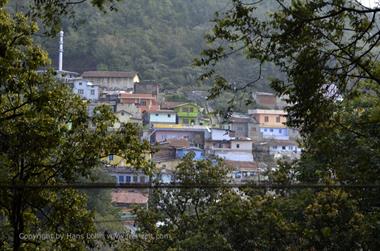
<point x="187" y="113"/>
<point x="195" y="135"/>
<point x="86" y="89"/>
<point x="144" y="102"/>
<point x="113" y="80"/>
<point x="242" y="124"/>
<point x="161" y="117"/>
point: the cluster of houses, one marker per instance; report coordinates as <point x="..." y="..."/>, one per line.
<point x="177" y="128"/>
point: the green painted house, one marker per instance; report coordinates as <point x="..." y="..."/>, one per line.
<point x="188" y="113"/>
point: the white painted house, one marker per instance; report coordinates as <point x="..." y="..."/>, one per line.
<point x="163" y="116"/>
<point x="86" y="89"/>
<point x="240" y="149"/>
<point x="279" y="133"/>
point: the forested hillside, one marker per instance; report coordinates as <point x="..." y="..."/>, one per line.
<point x="159" y="39"/>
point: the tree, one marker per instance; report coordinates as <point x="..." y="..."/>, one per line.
<point x="179" y="219"/>
<point x="327" y="51"/>
<point x="45" y="139"/>
<point x="323" y="48"/>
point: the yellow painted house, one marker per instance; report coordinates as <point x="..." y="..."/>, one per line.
<point x="117" y="161"/>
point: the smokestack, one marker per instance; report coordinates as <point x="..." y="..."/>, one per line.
<point x="60" y="51"/>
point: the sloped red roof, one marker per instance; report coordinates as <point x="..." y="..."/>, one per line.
<point x="241" y="165"/>
<point x="108" y="74"/>
<point x="129" y="197"/>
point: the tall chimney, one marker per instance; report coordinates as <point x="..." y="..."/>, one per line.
<point x="60" y="51"/>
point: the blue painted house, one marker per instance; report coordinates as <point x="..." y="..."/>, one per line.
<point x="199" y="153"/>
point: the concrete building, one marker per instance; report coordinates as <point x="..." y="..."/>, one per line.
<point x="242" y="124"/>
<point x="235" y="149"/>
<point x="86" y="89"/>
<point x="161" y="116"/>
<point x="144" y="102"/>
<point x="195" y="135"/>
<point x="269" y="118"/>
<point x="113" y="80"/>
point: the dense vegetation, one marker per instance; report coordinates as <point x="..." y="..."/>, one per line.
<point x="159" y="39"/>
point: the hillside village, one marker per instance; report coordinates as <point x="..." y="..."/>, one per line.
<point x="249" y="143"/>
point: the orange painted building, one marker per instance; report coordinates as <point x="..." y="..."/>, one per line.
<point x="144" y="102"/>
<point x="269" y="118"/>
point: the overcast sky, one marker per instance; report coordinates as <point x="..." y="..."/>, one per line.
<point x="370" y="3"/>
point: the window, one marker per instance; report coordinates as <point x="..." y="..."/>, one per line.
<point x="80" y="83"/>
<point x="110" y="157"/>
<point x="122" y="113"/>
<point x="92" y="92"/>
<point x="274" y="147"/>
<point x="290" y="147"/>
<point x="185" y="109"/>
<point x="191" y="109"/>
<point x="237" y="146"/>
<point x="266" y="119"/>
<point x="169" y="115"/>
<point x="284" y="148"/>
<point x="265" y="129"/>
<point x="271" y="130"/>
<point x="121" y="179"/>
<point x="278" y="119"/>
<point x="156" y="114"/>
<point x="135" y="179"/>
<point x="142" y="179"/>
<point x="279" y="130"/>
<point x="185" y="121"/>
<point x="80" y="91"/>
<point x="143" y="102"/>
<point x="127" y="179"/>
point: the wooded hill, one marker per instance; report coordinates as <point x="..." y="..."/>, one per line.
<point x="159" y="39"/>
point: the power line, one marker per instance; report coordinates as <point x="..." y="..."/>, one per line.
<point x="184" y="186"/>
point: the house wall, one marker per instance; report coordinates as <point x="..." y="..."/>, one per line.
<point x="272" y="119"/>
<point x="241" y="145"/>
<point x="143" y="104"/>
<point x="220" y="134"/>
<point x="194" y="138"/>
<point x="284" y="148"/>
<point x="217" y="144"/>
<point x="234" y="155"/>
<point x="164" y="154"/>
<point x="86" y="89"/>
<point x="131" y="108"/>
<point x="274" y="133"/>
<point x="125" y="178"/>
<point x="114" y="83"/>
<point x="147" y="88"/>
<point x="188" y="110"/>
<point x="199" y="155"/>
<point x="241" y="129"/>
<point x="188" y="114"/>
<point x="162" y="118"/>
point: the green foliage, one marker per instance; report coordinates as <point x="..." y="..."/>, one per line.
<point x="45" y="139"/>
<point x="157" y="39"/>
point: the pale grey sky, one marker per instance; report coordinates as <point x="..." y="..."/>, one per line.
<point x="370" y="3"/>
